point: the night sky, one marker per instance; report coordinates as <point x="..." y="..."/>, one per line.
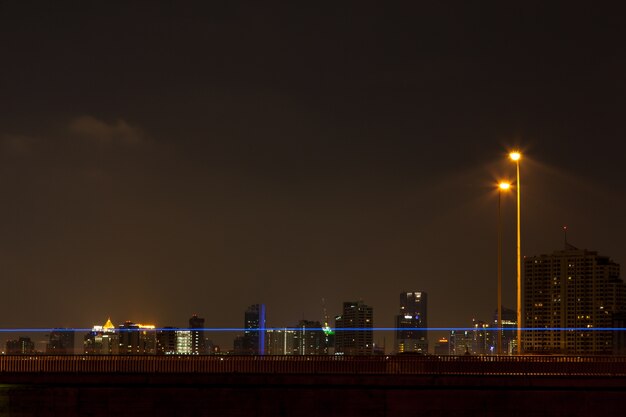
<point x="167" y="158"/>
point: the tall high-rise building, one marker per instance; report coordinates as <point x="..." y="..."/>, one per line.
<point x="61" y="342"/>
<point x="198" y="342"/>
<point x="309" y="338"/>
<point x="571" y="289"/>
<point x="253" y="340"/>
<point x="411" y="323"/>
<point x="254" y="319"/>
<point x="354" y="329"/>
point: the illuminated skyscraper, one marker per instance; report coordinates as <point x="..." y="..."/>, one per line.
<point x="411" y="323"/>
<point x="102" y="340"/>
<point x="354" y="329"/>
<point x="571" y="289"/>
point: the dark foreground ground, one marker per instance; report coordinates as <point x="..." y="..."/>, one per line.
<point x="304" y="395"/>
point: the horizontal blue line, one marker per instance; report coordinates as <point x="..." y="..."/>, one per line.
<point x="343" y="329"/>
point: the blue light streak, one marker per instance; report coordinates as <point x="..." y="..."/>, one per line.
<point x="346" y="329"/>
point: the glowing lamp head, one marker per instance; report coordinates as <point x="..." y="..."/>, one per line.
<point x="516" y="156"/>
<point x="504" y="186"/>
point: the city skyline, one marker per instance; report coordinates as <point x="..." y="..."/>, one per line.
<point x="312" y="208"/>
<point x="323" y="314"/>
<point x="413" y="318"/>
<point x="285" y="157"/>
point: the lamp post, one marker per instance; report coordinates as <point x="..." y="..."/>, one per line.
<point x="503" y="186"/>
<point x="516" y="156"/>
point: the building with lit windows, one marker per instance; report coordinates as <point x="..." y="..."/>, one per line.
<point x="137" y="339"/>
<point x="461" y="342"/>
<point x="198" y="342"/>
<point x="253" y="340"/>
<point x="279" y="341"/>
<point x="479" y="339"/>
<point x="166" y="341"/>
<point x="509" y="326"/>
<point x="483" y="338"/>
<point x="102" y="340"/>
<point x="411" y="324"/>
<point x="309" y="338"/>
<point x="184" y="342"/>
<point x="566" y="291"/>
<point x="354" y="329"/>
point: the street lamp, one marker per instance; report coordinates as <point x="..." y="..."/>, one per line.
<point x="516" y="156"/>
<point x="503" y="186"/>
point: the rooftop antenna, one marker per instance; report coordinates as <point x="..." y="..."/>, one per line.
<point x="565" y="237"/>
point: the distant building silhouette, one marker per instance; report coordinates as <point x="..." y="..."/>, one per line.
<point x="571" y="288"/>
<point x="461" y="342"/>
<point x="309" y="338"/>
<point x="253" y="340"/>
<point x="619" y="336"/>
<point x="198" y="342"/>
<point x="166" y="341"/>
<point x="61" y="342"/>
<point x="411" y="324"/>
<point x="353" y="333"/>
<point x="21" y="346"/>
<point x="279" y="341"/>
<point x="509" y="326"/>
<point x="442" y="347"/>
<point x="175" y="341"/>
<point x="483" y="338"/>
<point x="137" y="339"/>
<point x="102" y="340"/>
<point x="480" y="339"/>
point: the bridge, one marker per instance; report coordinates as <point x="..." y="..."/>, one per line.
<point x="331" y="365"/>
<point x="314" y="385"/>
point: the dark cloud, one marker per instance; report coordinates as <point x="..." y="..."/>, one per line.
<point x="117" y="132"/>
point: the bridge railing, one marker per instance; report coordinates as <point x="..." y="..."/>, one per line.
<point x="470" y="365"/>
